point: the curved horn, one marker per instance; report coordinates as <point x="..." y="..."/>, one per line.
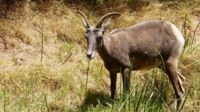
<point x="85" y="18"/>
<point x="99" y="24"/>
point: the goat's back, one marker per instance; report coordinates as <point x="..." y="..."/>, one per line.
<point x="150" y="39"/>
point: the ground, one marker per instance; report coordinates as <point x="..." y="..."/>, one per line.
<point x="43" y="66"/>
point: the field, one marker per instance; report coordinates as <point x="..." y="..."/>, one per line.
<point x="43" y="63"/>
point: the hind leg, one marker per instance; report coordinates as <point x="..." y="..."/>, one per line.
<point x="176" y="80"/>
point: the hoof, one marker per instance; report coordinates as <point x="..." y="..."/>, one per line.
<point x="173" y="106"/>
<point x="177" y="104"/>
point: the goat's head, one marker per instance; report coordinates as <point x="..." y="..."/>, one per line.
<point x="94" y="35"/>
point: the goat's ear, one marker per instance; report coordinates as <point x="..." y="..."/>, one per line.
<point x="106" y="25"/>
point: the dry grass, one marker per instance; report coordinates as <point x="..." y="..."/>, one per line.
<point x="58" y="82"/>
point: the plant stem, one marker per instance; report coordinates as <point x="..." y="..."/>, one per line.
<point x="88" y="68"/>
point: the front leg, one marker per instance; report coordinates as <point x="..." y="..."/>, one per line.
<point x="126" y="72"/>
<point x="113" y="78"/>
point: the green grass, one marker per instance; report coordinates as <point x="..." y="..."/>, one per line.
<point x="59" y="82"/>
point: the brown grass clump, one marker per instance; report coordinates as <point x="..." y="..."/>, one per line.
<point x="58" y="82"/>
<point x="22" y="36"/>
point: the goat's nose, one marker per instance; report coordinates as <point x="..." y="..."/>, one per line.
<point x="89" y="55"/>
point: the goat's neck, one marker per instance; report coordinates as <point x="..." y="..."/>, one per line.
<point x="104" y="50"/>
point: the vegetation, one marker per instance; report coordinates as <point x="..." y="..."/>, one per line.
<point x="43" y="66"/>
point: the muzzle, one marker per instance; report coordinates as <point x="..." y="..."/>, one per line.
<point x="90" y="54"/>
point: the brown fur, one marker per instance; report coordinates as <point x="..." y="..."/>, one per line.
<point x="141" y="45"/>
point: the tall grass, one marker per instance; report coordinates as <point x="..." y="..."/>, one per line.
<point x="64" y="82"/>
<point x="142" y="97"/>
